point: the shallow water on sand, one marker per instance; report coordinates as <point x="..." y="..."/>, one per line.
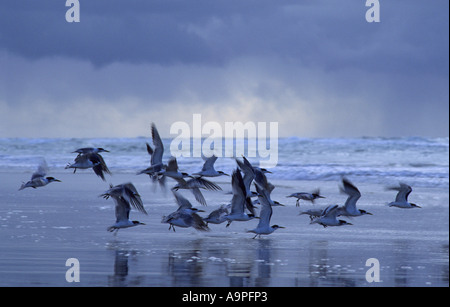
<point x="40" y="229"/>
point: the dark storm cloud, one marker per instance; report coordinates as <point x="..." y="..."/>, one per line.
<point x="314" y="66"/>
<point x="328" y="34"/>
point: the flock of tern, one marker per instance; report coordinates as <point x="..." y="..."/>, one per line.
<point x="241" y="207"/>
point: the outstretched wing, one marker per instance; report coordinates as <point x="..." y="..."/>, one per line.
<point x="41" y="171"/>
<point x="239" y="195"/>
<point x="202" y="183"/>
<point x="209" y="164"/>
<point x="330" y="211"/>
<point x="403" y="193"/>
<point x="159" y="147"/>
<point x="353" y="194"/>
<point x="266" y="208"/>
<point x="198" y="223"/>
<point x="122" y="209"/>
<point x="131" y="195"/>
<point x="183" y="203"/>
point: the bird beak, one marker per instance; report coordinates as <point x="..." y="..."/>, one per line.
<point x="58" y="180"/>
<point x="200" y="210"/>
<point x="281" y="227"/>
<point x="369" y="213"/>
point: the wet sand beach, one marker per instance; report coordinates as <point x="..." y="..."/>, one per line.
<point x="40" y="229"/>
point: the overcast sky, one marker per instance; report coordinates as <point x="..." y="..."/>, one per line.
<point x="316" y="67"/>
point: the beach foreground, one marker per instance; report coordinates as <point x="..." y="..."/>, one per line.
<point x="40" y="229"/>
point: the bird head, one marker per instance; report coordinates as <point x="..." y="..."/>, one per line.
<point x="277" y="226"/>
<point x="196" y="210"/>
<point x="137" y="223"/>
<point x="365" y="212"/>
<point x="50" y="179"/>
<point x="278" y="203"/>
<point x="186" y="175"/>
<point x="342" y="223"/>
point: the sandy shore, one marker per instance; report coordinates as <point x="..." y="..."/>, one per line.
<point x="40" y="229"/>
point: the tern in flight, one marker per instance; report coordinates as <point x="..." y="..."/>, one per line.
<point x="90" y="160"/>
<point x="208" y="169"/>
<point x="185" y="216"/>
<point x="401" y="200"/>
<point x="38" y="178"/>
<point x="87" y="150"/>
<point x="219" y="215"/>
<point x="264" y="227"/>
<point x="329" y="217"/>
<point x="124" y="195"/>
<point x="306" y="196"/>
<point x="195" y="184"/>
<point x="238" y="200"/>
<point x="349" y="208"/>
<point x="156" y="161"/>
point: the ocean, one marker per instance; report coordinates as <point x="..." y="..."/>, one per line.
<point x="42" y="229"/>
<point x="417" y="161"/>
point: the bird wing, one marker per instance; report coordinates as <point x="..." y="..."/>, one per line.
<point x="209" y="164"/>
<point x="198" y="223"/>
<point x="122" y="209"/>
<point x="99" y="164"/>
<point x="403" y="192"/>
<point x="172" y="165"/>
<point x="131" y="195"/>
<point x="266" y="208"/>
<point x="238" y="189"/>
<point x="216" y="214"/>
<point x="353" y="194"/>
<point x="41" y="170"/>
<point x="261" y="180"/>
<point x="183" y="203"/>
<point x="149" y="149"/>
<point x="202" y="183"/>
<point x="248" y="171"/>
<point x="159" y="148"/>
<point x="199" y="196"/>
<point x="330" y="211"/>
<point x="249" y="175"/>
